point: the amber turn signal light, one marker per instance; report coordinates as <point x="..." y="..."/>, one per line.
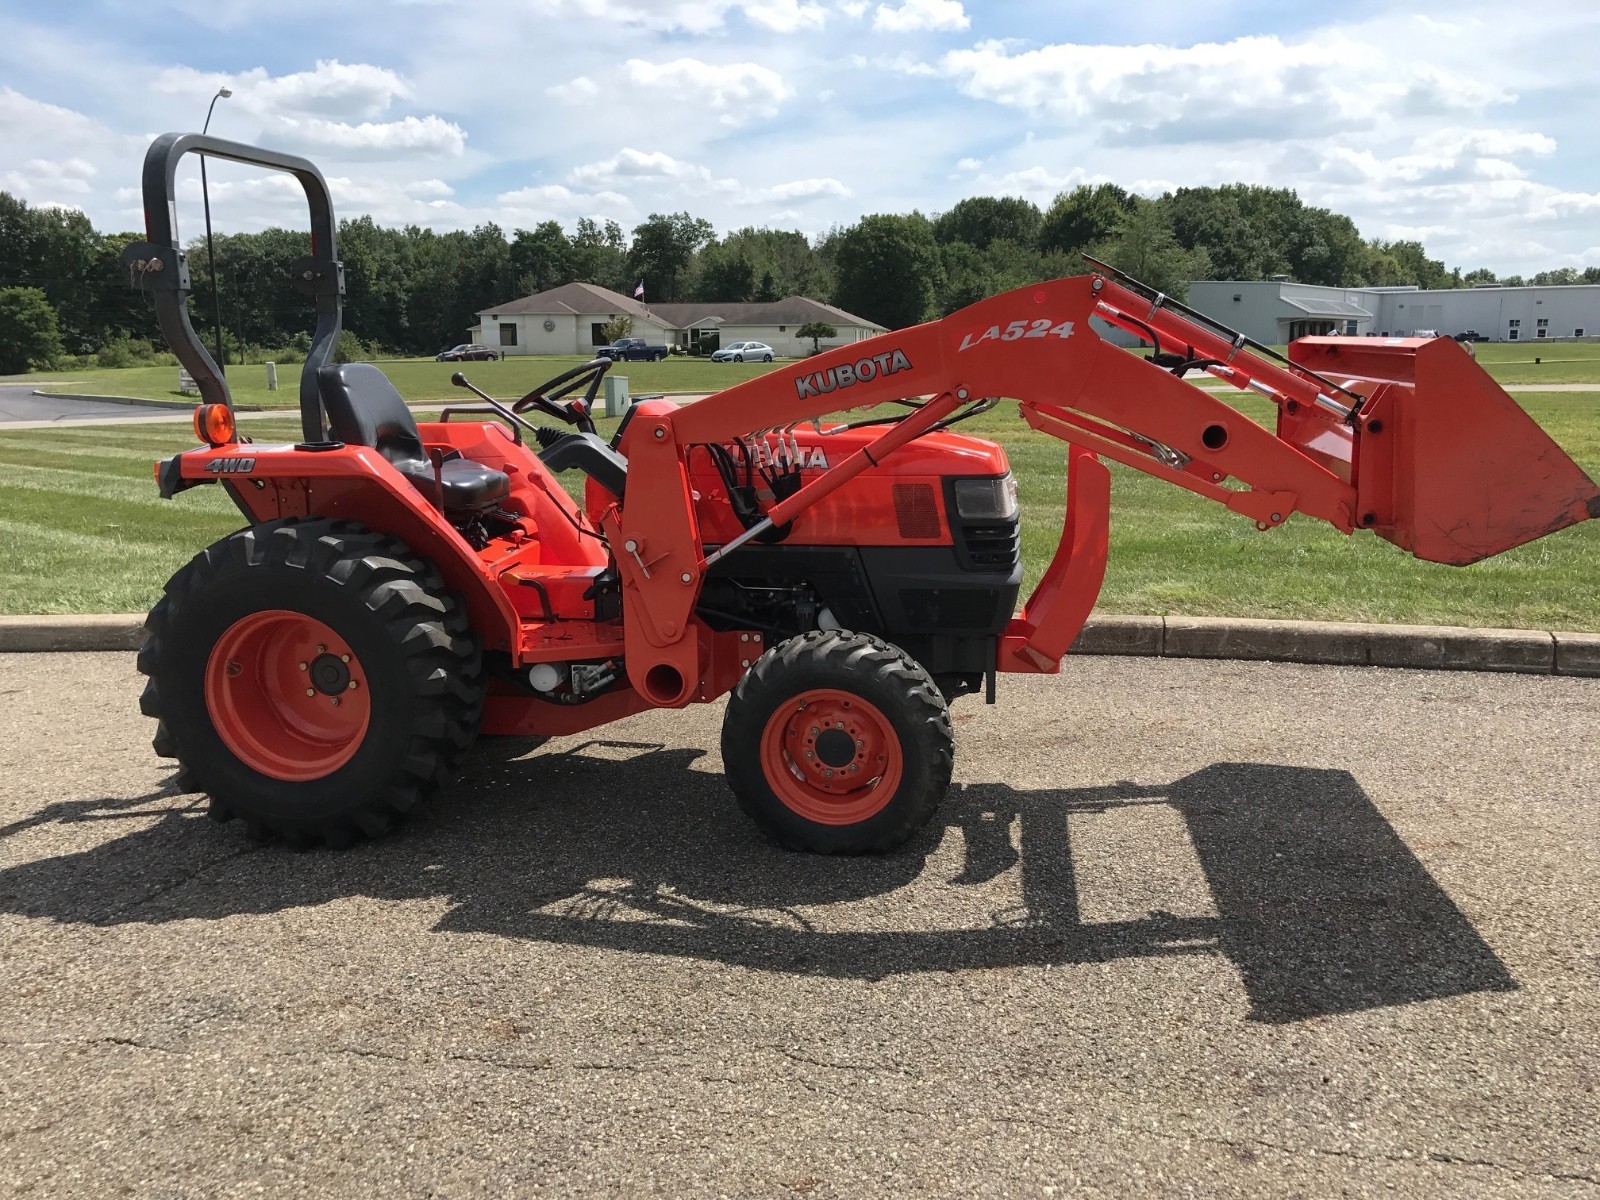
<point x="214" y="424"/>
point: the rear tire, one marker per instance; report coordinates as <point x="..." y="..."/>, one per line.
<point x="838" y="743"/>
<point x="387" y="700"/>
<point x="766" y="358"/>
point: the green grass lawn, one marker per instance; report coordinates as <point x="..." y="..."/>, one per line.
<point x="424" y="379"/>
<point x="416" y="379"/>
<point x="1530" y="363"/>
<point x="82" y="530"/>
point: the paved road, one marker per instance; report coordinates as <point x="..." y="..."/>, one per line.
<point x="1182" y="928"/>
<point x="19" y="404"/>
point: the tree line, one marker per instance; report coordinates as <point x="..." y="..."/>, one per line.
<point x="63" y="301"/>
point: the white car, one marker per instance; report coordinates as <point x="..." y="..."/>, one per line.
<point x="744" y="352"/>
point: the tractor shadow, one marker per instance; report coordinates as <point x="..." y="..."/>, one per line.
<point x="1320" y="905"/>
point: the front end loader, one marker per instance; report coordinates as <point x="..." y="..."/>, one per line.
<point x="399" y="588"/>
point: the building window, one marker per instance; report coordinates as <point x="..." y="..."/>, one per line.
<point x="597" y="335"/>
<point x="1577" y="332"/>
<point x="1544" y="327"/>
<point x="508" y="333"/>
<point x="1513" y="335"/>
<point x="783" y="328"/>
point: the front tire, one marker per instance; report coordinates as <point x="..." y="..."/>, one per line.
<point x="838" y="743"/>
<point x="738" y="358"/>
<point x="313" y="678"/>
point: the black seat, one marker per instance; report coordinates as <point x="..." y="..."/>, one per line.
<point x="365" y="410"/>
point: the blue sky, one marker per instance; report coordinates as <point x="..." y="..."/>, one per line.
<point x="1469" y="128"/>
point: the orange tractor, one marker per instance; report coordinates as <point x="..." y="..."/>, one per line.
<point x="400" y="588"/>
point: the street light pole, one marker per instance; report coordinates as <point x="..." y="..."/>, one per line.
<point x="211" y="254"/>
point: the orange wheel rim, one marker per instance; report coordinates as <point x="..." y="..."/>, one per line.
<point x="287" y="695"/>
<point x="831" y="757"/>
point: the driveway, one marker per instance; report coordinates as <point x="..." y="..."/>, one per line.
<point x="1181" y="928"/>
<point x="18" y="403"/>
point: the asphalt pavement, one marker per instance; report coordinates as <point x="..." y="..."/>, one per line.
<point x="18" y="403"/>
<point x="1180" y="929"/>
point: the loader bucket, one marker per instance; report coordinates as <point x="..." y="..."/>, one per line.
<point x="1447" y="465"/>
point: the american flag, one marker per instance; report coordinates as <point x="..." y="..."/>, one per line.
<point x="638" y="291"/>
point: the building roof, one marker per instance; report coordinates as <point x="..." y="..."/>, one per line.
<point x="1318" y="307"/>
<point x="588" y="299"/>
<point x="585" y="299"/>
<point x="791" y="310"/>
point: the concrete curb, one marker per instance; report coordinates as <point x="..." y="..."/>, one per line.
<point x="1424" y="647"/>
<point x="147" y="402"/>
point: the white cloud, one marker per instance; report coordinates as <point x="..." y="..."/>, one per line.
<point x="1035" y="183"/>
<point x="629" y="167"/>
<point x="734" y="90"/>
<point x="916" y="15"/>
<point x="330" y="89"/>
<point x="690" y="16"/>
<point x="1247" y="89"/>
<point x="797" y="191"/>
<point x="401" y="139"/>
<point x="65" y="177"/>
<point x="785" y="16"/>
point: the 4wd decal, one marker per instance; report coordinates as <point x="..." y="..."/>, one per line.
<point x="1018" y="331"/>
<point x="845" y="375"/>
<point x="231" y="466"/>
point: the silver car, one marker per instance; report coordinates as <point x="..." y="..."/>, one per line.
<point x="744" y="352"/>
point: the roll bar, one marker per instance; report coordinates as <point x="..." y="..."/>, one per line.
<point x="160" y="267"/>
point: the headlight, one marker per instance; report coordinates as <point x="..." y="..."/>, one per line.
<point x="987" y="499"/>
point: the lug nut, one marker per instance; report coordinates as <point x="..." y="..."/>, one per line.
<point x="351" y="686"/>
<point x="311" y="691"/>
<point x="336" y="702"/>
<point x="344" y="658"/>
<point x="303" y="666"/>
<point x="322" y="649"/>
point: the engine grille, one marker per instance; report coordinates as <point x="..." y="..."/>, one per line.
<point x="916" y="512"/>
<point x="996" y="546"/>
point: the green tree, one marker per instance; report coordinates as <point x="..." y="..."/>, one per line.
<point x="619" y="326"/>
<point x="1225" y="223"/>
<point x="600" y="255"/>
<point x="816" y="331"/>
<point x="981" y="220"/>
<point x="662" y="249"/>
<point x="29" y="335"/>
<point x="889" y="269"/>
<point x="724" y="272"/>
<point x="1408" y="262"/>
<point x="1086" y="215"/>
<point x="541" y="258"/>
<point x="1146" y="248"/>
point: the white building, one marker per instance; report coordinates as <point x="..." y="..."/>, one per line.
<point x="1277" y="311"/>
<point x="569" y="319"/>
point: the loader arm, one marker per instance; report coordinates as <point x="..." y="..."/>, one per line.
<point x="1356" y="453"/>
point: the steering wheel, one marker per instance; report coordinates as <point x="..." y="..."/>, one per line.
<point x="577" y="413"/>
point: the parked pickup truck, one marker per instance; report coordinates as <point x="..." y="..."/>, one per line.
<point x="631" y="350"/>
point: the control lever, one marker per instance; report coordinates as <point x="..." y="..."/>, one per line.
<point x="461" y="381"/>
